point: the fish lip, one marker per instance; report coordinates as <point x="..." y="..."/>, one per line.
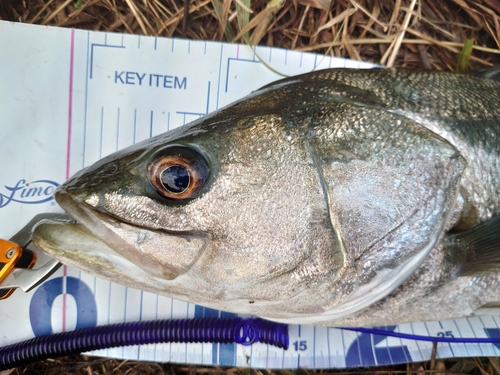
<point x="67" y="201"/>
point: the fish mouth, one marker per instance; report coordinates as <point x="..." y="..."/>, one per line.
<point x="140" y="245"/>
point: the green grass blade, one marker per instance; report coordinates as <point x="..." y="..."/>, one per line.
<point x="228" y="30"/>
<point x="464" y="58"/>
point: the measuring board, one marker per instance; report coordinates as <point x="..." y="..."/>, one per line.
<point x="71" y="97"/>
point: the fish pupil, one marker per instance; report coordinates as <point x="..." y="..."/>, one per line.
<point x="175" y="179"/>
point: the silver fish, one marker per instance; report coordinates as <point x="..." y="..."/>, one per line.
<point x="338" y="197"/>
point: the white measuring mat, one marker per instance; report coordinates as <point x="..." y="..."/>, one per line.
<point x="70" y="97"/>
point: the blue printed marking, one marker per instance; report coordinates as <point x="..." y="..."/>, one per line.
<point x="125" y="304"/>
<point x="154" y="80"/>
<point x="427" y="329"/>
<point x="212" y="313"/>
<point x="267" y="354"/>
<point x="92" y="53"/>
<point x="314" y="346"/>
<point x="493" y="333"/>
<point x="227" y="352"/>
<point x="222" y="354"/>
<point x="364" y="352"/>
<point x="44" y="297"/>
<point x="473" y="332"/>
<point x="189" y="46"/>
<point x="156" y="42"/>
<point x="205" y="48"/>
<point x="205" y="312"/>
<point x="286" y="56"/>
<point x="86" y="100"/>
<point x="460" y="334"/>
<point x="218" y="81"/>
<point x="139" y="41"/>
<point x="342" y="338"/>
<point x="451" y="349"/>
<point x="429" y="334"/>
<point x="189" y="114"/>
<point x="186" y="316"/>
<point x="151" y="125"/>
<point x="156" y="318"/>
<point x="497" y="329"/>
<point x="208" y="98"/>
<point x="102" y="130"/>
<point x="328" y="346"/>
<point x="140" y="304"/>
<point x="172" y="45"/>
<point x="416" y="342"/>
<point x="171" y="316"/>
<point x="229" y="65"/>
<point x="140" y="319"/>
<point x="194" y="113"/>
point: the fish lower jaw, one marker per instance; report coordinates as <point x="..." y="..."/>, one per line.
<point x="165" y="254"/>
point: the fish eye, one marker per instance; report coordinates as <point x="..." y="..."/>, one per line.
<point x="178" y="173"/>
<point x="113" y="169"/>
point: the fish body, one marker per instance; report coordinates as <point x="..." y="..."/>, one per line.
<point x="339" y="197"/>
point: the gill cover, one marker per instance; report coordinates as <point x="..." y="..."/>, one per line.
<point x="391" y="185"/>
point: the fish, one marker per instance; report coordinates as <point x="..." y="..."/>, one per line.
<point x="337" y="197"/>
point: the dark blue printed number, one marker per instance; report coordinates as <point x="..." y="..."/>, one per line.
<point x="44" y="297"/>
<point x="300" y="345"/>
<point x="445" y="334"/>
<point x="364" y="351"/>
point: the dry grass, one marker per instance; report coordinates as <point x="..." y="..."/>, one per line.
<point x="410" y="33"/>
<point x="83" y="365"/>
<point x="426" y="34"/>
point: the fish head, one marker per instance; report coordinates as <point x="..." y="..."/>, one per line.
<point x="230" y="207"/>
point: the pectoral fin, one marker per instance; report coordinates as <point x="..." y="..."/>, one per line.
<point x="477" y="250"/>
